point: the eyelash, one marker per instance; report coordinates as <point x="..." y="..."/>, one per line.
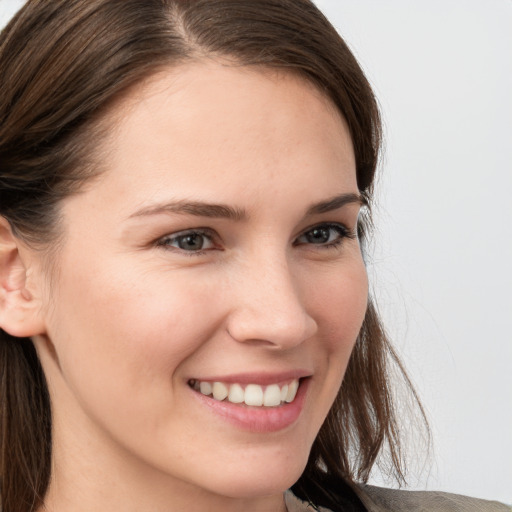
<point x="343" y="232"/>
<point x="202" y="232"/>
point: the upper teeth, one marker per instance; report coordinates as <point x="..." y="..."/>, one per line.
<point x="252" y="394"/>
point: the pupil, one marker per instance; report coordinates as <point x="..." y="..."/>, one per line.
<point x="319" y="235"/>
<point x="191" y="242"/>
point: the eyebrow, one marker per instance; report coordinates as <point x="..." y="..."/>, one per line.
<point x="196" y="208"/>
<point x="223" y="211"/>
<point x="335" y="203"/>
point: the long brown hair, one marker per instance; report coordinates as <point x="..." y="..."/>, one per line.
<point x="62" y="63"/>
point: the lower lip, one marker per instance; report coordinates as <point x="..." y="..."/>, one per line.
<point x="258" y="419"/>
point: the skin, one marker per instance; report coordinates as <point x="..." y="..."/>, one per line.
<point x="132" y="316"/>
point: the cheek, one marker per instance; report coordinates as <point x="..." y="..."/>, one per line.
<point x="337" y="299"/>
<point x="338" y="303"/>
<point x="122" y="349"/>
<point x="135" y="330"/>
<point x="339" y="307"/>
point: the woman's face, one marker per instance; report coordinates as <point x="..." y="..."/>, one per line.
<point x="217" y="247"/>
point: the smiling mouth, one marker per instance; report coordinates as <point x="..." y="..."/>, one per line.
<point x="254" y="395"/>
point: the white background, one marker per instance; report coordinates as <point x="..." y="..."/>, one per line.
<point x="442" y="264"/>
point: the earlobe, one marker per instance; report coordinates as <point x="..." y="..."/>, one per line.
<point x="20" y="310"/>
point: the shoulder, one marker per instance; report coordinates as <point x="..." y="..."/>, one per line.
<point x="378" y="499"/>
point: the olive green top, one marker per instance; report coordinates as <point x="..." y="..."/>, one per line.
<point x="378" y="499"/>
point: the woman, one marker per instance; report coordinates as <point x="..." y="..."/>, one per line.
<point x="184" y="200"/>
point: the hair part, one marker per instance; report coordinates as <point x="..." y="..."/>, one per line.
<point x="63" y="64"/>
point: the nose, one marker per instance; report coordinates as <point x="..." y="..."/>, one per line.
<point x="267" y="306"/>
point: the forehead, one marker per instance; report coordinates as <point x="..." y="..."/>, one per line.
<point x="207" y="126"/>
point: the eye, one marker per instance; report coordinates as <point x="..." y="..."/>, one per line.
<point x="324" y="235"/>
<point x="189" y="241"/>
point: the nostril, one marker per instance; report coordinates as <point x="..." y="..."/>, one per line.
<point x="272" y="327"/>
<point x="252" y="341"/>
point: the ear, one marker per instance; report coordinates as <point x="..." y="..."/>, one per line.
<point x="20" y="306"/>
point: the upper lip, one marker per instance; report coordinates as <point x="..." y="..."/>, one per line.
<point x="261" y="378"/>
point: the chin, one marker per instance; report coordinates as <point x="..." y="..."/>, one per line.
<point x="257" y="480"/>
<point x="254" y="487"/>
